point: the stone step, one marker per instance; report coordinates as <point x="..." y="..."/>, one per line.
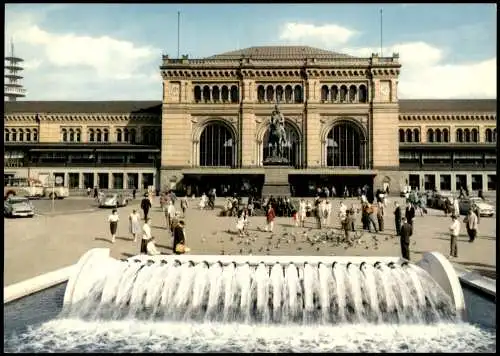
<point x="276" y="190"/>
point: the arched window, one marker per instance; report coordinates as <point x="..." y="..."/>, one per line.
<point x="438" y="135"/>
<point x="335" y="94"/>
<point x="64" y="135"/>
<point x="197" y="94"/>
<point x="105" y="135"/>
<point x="467" y="135"/>
<point x="343" y="93"/>
<point x="118" y="135"/>
<point x="6" y="135"/>
<point x="98" y="134"/>
<point x="416" y="135"/>
<point x="344" y="146"/>
<point x="235" y="95"/>
<point x="488" y="135"/>
<point x="270" y="93"/>
<point x="288" y="94"/>
<point x="206" y="93"/>
<point x="71" y="135"/>
<point x="459" y="135"/>
<point x="324" y="93"/>
<point x="14" y="135"/>
<point x="78" y="135"/>
<point x="446" y="135"/>
<point x="279" y="93"/>
<point x="21" y="135"/>
<point x="494" y="135"/>
<point x="225" y="94"/>
<point x="216" y="94"/>
<point x="133" y="135"/>
<point x="28" y="135"/>
<point x="35" y="135"/>
<point x="430" y="135"/>
<point x="401" y="135"/>
<point x="475" y="135"/>
<point x="216" y="145"/>
<point x="363" y="94"/>
<point x="409" y="137"/>
<point x="91" y="135"/>
<point x="353" y="91"/>
<point x="126" y="135"/>
<point x="261" y="93"/>
<point x="291" y="152"/>
<point x="297" y="94"/>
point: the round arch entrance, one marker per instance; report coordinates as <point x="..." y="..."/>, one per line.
<point x="291" y="152"/>
<point x="217" y="145"/>
<point x="345" y="146"/>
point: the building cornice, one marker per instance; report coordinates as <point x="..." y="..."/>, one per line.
<point x="81" y="117"/>
<point x="453" y="116"/>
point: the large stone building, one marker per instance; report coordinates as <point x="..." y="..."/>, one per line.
<point x="344" y="121"/>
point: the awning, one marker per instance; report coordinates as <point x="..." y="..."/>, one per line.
<point x="123" y="150"/>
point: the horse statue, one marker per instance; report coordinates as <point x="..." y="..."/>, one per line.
<point x="277" y="133"/>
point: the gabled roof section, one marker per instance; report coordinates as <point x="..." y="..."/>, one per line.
<point x="280" y="52"/>
<point x="416" y="106"/>
<point x="86" y="107"/>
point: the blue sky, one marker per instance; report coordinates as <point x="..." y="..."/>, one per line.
<point x="112" y="51"/>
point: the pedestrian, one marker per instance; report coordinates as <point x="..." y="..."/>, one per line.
<point x="134" y="192"/>
<point x="113" y="224"/>
<point x="170" y="214"/>
<point x="184" y="205"/>
<point x="302" y="213"/>
<point x="89" y="192"/>
<point x="240" y="224"/>
<point x="96" y="192"/>
<point x="372" y="217"/>
<point x="410" y="213"/>
<point x="380" y="216"/>
<point x="270" y="216"/>
<point x="203" y="201"/>
<point x="151" y="248"/>
<point x="348" y="227"/>
<point x="146" y="235"/>
<point x="179" y="245"/>
<point x="475" y="209"/>
<point x="456" y="208"/>
<point x="471" y="225"/>
<point x="145" y="206"/>
<point x="454" y="232"/>
<point x="397" y="218"/>
<point x="406" y="233"/>
<point x="134" y="224"/>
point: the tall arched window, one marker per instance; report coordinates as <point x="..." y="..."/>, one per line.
<point x="297" y="94"/>
<point x="438" y="135"/>
<point x="459" y="135"/>
<point x="35" y="135"/>
<point x="409" y="137"/>
<point x="279" y="93"/>
<point x="488" y="135"/>
<point x="467" y="135"/>
<point x="363" y="94"/>
<point x="261" y="94"/>
<point x="225" y="94"/>
<point x="28" y="135"/>
<point x="288" y="94"/>
<point x="6" y="135"/>
<point x="270" y="93"/>
<point x="344" y="146"/>
<point x="335" y="94"/>
<point x="78" y="135"/>
<point x="494" y="135"/>
<point x="291" y="152"/>
<point x="98" y="134"/>
<point x="416" y="135"/>
<point x="215" y="94"/>
<point x="64" y="135"/>
<point x="105" y="135"/>
<point x="446" y="135"/>
<point x="353" y="91"/>
<point x="206" y="93"/>
<point x="133" y="136"/>
<point x="216" y="145"/>
<point x="71" y="135"/>
<point x="21" y="135"/>
<point x="324" y="93"/>
<point x="401" y="135"/>
<point x="343" y="94"/>
<point x="197" y="93"/>
<point x="474" y="135"/>
<point x="126" y="135"/>
<point x="235" y="94"/>
<point x="430" y="135"/>
<point x="118" y="135"/>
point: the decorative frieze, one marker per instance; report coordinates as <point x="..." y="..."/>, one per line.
<point x="447" y="117"/>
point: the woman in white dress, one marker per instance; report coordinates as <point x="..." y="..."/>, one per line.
<point x="113" y="224"/>
<point x="302" y="212"/>
<point x="240" y="224"/>
<point x="134" y="220"/>
<point x="203" y="201"/>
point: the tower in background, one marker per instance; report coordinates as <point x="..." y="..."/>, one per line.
<point x="13" y="89"/>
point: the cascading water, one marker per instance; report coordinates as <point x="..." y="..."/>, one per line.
<point x="200" y="307"/>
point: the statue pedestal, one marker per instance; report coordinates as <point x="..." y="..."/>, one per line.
<point x="276" y="161"/>
<point x="276" y="181"/>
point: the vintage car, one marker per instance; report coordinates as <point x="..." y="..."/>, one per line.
<point x="485" y="209"/>
<point x="113" y="201"/>
<point x="437" y="200"/>
<point x="15" y="206"/>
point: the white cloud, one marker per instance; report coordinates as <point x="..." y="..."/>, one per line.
<point x="425" y="73"/>
<point x="82" y="65"/>
<point x="322" y="35"/>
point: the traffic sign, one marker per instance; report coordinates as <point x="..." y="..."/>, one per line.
<point x="59" y="180"/>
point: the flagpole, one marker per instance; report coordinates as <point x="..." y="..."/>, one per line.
<point x="178" y="33"/>
<point x="381" y="33"/>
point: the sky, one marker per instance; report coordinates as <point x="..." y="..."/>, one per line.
<point x="113" y="51"/>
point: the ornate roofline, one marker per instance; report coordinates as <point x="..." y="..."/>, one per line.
<point x="456" y="116"/>
<point x="60" y="117"/>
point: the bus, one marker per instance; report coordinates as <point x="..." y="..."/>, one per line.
<point x="31" y="188"/>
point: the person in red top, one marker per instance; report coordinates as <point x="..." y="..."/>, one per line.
<point x="270" y="215"/>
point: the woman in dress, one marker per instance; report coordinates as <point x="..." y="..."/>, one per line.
<point x="302" y="212"/>
<point x="134" y="224"/>
<point x="240" y="224"/>
<point x="203" y="201"/>
<point x="113" y="224"/>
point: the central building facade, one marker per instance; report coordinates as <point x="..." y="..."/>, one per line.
<point x="341" y="115"/>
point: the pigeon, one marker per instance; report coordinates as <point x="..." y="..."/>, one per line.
<point x="215" y="232"/>
<point x="261" y="249"/>
<point x="240" y="242"/>
<point x="299" y="248"/>
<point x="222" y="252"/>
<point x="241" y="251"/>
<point x="386" y="238"/>
<point x="317" y="248"/>
<point x="366" y="248"/>
<point x="231" y="238"/>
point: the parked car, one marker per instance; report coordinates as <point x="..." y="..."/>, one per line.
<point x="485" y="209"/>
<point x="113" y="201"/>
<point x="18" y="206"/>
<point x="437" y="200"/>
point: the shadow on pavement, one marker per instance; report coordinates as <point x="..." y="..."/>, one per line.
<point x="102" y="239"/>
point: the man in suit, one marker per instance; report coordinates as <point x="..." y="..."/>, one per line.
<point x="397" y="218"/>
<point x="406" y="232"/>
<point x="179" y="237"/>
<point x="410" y="214"/>
<point x="145" y="206"/>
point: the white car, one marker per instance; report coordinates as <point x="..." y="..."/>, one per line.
<point x="113" y="201"/>
<point x="485" y="209"/>
<point x="18" y="206"/>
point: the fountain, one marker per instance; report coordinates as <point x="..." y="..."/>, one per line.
<point x="259" y="303"/>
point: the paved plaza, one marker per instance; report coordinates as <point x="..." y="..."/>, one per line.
<point x="51" y="241"/>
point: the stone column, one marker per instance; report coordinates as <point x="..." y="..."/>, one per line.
<point x="80" y="181"/>
<point x="248" y="139"/>
<point x="66" y="179"/>
<point x="453" y="181"/>
<point x="139" y="182"/>
<point x="485" y="182"/>
<point x="110" y="180"/>
<point x="125" y="180"/>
